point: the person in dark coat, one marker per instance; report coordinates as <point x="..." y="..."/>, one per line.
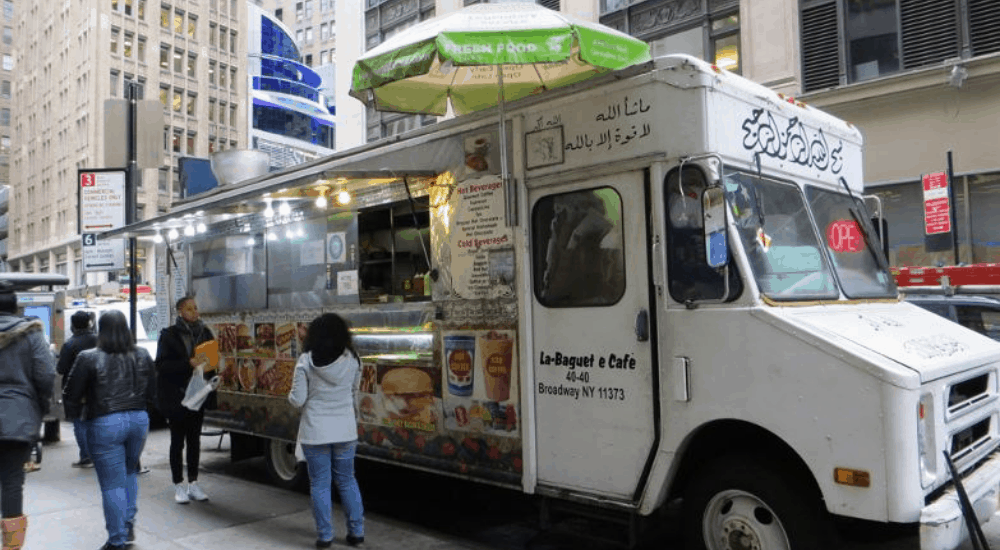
<point x="83" y="338"/>
<point x="175" y="363"/>
<point x="116" y="380"/>
<point x="27" y="374"/>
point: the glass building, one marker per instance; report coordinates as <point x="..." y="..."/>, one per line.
<point x="289" y="119"/>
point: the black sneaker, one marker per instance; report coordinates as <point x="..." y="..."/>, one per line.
<point x="355" y="541"/>
<point x="130" y="537"/>
<point x="324" y="543"/>
<point x="83" y="463"/>
<point x="109" y="546"/>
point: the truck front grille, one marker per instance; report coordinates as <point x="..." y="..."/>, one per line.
<point x="967" y="393"/>
<point x="971" y="439"/>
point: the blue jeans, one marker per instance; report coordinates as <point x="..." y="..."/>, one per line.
<point x="116" y="441"/>
<point x="334" y="460"/>
<point x="80" y="433"/>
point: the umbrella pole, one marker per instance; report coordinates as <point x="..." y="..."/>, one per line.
<point x="510" y="202"/>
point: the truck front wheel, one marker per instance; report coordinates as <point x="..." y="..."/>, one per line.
<point x="738" y="504"/>
<point x="282" y="466"/>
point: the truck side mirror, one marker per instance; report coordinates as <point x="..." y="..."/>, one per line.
<point x="714" y="213"/>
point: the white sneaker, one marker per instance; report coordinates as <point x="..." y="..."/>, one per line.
<point x="195" y="492"/>
<point x="181" y="494"/>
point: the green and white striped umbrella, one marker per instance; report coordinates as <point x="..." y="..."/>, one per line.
<point x="456" y="58"/>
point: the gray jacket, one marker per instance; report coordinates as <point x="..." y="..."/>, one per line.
<point x="326" y="393"/>
<point x="27" y="373"/>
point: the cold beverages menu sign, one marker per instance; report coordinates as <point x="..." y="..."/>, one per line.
<point x="102" y="208"/>
<point x="937" y="210"/>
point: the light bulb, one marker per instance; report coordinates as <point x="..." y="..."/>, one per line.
<point x="251" y="242"/>
<point x="268" y="212"/>
<point x="289" y="234"/>
<point x="172" y="234"/>
<point x="321" y="201"/>
<point x="201" y="227"/>
<point x="188" y="230"/>
<point x="343" y="197"/>
<point x="284" y="209"/>
<point x="272" y="237"/>
<point x="157" y="238"/>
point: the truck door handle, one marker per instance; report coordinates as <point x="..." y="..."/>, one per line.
<point x="642" y="325"/>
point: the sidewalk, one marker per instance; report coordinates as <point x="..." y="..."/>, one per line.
<point x="65" y="513"/>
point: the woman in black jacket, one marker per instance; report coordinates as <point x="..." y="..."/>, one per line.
<point x="116" y="380"/>
<point x="175" y="364"/>
<point x="27" y="372"/>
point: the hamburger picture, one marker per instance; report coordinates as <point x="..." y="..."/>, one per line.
<point x="244" y="338"/>
<point x="408" y="395"/>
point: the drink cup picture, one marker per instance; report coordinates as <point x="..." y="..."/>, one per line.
<point x="460" y="358"/>
<point x="497" y="350"/>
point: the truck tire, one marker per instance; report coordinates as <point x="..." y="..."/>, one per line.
<point x="737" y="503"/>
<point x="282" y="467"/>
<point x="50" y="433"/>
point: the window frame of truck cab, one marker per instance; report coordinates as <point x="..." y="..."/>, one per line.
<point x="687" y="265"/>
<point x="543" y="253"/>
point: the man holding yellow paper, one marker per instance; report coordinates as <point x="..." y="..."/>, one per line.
<point x="178" y="353"/>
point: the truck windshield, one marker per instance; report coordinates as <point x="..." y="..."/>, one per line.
<point x="774" y="226"/>
<point x="850" y="242"/>
<point x="790" y="259"/>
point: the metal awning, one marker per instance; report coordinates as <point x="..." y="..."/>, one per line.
<point x="296" y="186"/>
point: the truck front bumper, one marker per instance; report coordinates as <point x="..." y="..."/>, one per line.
<point x="942" y="526"/>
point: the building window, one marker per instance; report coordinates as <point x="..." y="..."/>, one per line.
<point x="309" y="34"/>
<point x="165" y="57"/>
<point x="114" y="83"/>
<point x="871" y="39"/>
<point x="5" y="89"/>
<point x="142" y="10"/>
<point x="211" y="110"/>
<point x="232" y="42"/>
<point x="725" y="42"/>
<point x="232" y="78"/>
<point x="8" y="62"/>
<point x="114" y="5"/>
<point x="298" y="36"/>
<point x="178" y="99"/>
<point x="222" y="76"/>
<point x="309" y="9"/>
<point x="165" y="97"/>
<point x="211" y="145"/>
<point x="176" y="141"/>
<point x="114" y="40"/>
<point x="5" y="117"/>
<point x="232" y="115"/>
<point x="127" y="49"/>
<point x="141" y="51"/>
<point x="309" y="59"/>
<point x="211" y="72"/>
<point x="192" y="102"/>
<point x="192" y="63"/>
<point x="211" y="33"/>
<point x="325" y="5"/>
<point x="8" y="35"/>
<point x="222" y="112"/>
<point x="277" y="14"/>
<point x="299" y="12"/>
<point x="179" y="61"/>
<point x="128" y="7"/>
<point x="165" y="17"/>
<point x="324" y="57"/>
<point x="163" y="178"/>
<point x="192" y="25"/>
<point x="178" y="21"/>
<point x="324" y="31"/>
<point x="8" y="10"/>
<point x="223" y="33"/>
<point x="190" y="143"/>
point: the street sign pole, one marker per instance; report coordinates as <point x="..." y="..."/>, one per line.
<point x="951" y="208"/>
<point x="131" y="175"/>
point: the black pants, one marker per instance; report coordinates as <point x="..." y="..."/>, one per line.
<point x="13" y="455"/>
<point x="185" y="427"/>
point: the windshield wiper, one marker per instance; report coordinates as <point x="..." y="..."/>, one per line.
<point x="879" y="260"/>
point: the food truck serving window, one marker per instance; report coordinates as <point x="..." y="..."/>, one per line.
<point x="579" y="249"/>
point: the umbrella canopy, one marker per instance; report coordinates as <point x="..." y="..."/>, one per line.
<point x="458" y="56"/>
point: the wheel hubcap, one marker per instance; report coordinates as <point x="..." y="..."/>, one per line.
<point x="737" y="520"/>
<point x="283" y="459"/>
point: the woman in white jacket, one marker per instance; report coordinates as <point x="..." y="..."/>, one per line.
<point x="327" y="376"/>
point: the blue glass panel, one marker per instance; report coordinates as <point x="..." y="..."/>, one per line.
<point x="290" y="70"/>
<point x="271" y="118"/>
<point x="285" y="87"/>
<point x="275" y="41"/>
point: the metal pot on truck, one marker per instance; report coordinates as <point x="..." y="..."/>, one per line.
<point x="677" y="297"/>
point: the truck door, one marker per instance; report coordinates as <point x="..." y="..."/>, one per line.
<point x="592" y="358"/>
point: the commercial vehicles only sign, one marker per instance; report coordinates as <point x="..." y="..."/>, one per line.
<point x="102" y="208"/>
<point x="937" y="210"/>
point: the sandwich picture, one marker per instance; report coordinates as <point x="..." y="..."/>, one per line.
<point x="244" y="338"/>
<point x="408" y="395"/>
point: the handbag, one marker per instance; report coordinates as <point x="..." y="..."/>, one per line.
<point x="198" y="389"/>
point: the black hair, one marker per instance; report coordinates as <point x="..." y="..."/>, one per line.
<point x="81" y="320"/>
<point x="113" y="334"/>
<point x="181" y="302"/>
<point x="8" y="302"/>
<point x="327" y="338"/>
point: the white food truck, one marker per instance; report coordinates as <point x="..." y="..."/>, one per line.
<point x="675" y="297"/>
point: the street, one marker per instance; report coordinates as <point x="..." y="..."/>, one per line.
<point x="404" y="509"/>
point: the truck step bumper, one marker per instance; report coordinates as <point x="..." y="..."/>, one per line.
<point x="942" y="526"/>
